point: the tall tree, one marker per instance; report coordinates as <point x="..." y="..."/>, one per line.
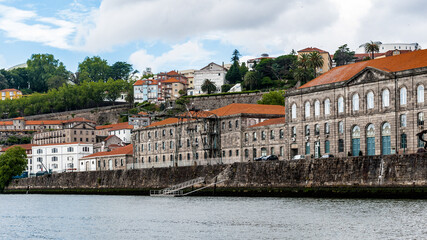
<point x="372" y="48"/>
<point x="243" y="69"/>
<point x="343" y="55"/>
<point x="41" y="67"/>
<point x="233" y="74"/>
<point x="12" y="163"/>
<point x="252" y="80"/>
<point x="235" y="57"/>
<point x="315" y="62"/>
<point x="94" y="69"/>
<point x="121" y="70"/>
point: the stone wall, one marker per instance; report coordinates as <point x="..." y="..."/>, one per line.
<point x="101" y="115"/>
<point x="390" y="171"/>
<point x="214" y="102"/>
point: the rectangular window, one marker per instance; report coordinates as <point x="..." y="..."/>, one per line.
<point x="281" y="151"/>
<point x="403" y="120"/>
<point x="403" y="143"/>
<point x="307" y="148"/>
<point x="340" y="145"/>
<point x="262" y="135"/>
<point x="271" y="134"/>
<point x="272" y="151"/>
<point x="327" y="148"/>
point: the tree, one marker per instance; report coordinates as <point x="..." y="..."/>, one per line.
<point x="121" y="70"/>
<point x="235" y="57"/>
<point x="303" y="71"/>
<point x="233" y="75"/>
<point x="252" y="80"/>
<point x="12" y="163"/>
<point x="243" y="70"/>
<point x="343" y="55"/>
<point x="372" y="47"/>
<point x="315" y="62"/>
<point x="94" y="69"/>
<point x="41" y="67"/>
<point x="56" y="81"/>
<point x="273" y="98"/>
<point x="208" y="86"/>
<point x="114" y="89"/>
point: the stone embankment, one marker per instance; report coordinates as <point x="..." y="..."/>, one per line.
<point x="214" y="102"/>
<point x="378" y="176"/>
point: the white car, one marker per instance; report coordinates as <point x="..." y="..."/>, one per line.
<point x="298" y="157"/>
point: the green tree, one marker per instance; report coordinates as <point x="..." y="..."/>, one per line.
<point x="121" y="70"/>
<point x="12" y="163"/>
<point x="208" y="86"/>
<point x="243" y="70"/>
<point x="265" y="68"/>
<point x="273" y="98"/>
<point x="315" y="62"/>
<point x="372" y="47"/>
<point x="41" y="67"/>
<point x="252" y="80"/>
<point x="56" y="81"/>
<point x="343" y="55"/>
<point x="233" y="75"/>
<point x="235" y="57"/>
<point x="94" y="69"/>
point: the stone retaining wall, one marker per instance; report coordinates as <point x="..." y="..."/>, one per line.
<point x="214" y="102"/>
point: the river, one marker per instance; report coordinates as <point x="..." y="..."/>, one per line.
<point x="141" y="217"/>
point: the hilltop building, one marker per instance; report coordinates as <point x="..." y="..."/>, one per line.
<point x="213" y="72"/>
<point x="327" y="60"/>
<point x="10" y="93"/>
<point x="384" y="47"/>
<point x="367" y="108"/>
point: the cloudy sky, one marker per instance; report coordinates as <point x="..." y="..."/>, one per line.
<point x="184" y="34"/>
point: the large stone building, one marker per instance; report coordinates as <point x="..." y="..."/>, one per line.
<point x="211" y="137"/>
<point x="213" y="72"/>
<point x="116" y="159"/>
<point x="367" y="108"/>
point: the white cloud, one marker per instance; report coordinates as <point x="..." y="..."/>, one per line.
<point x="189" y="55"/>
<point x="28" y="26"/>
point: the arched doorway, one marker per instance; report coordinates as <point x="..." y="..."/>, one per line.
<point x="355" y="141"/>
<point x="370" y="140"/>
<point x="386" y="139"/>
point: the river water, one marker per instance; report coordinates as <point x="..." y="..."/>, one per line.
<point x="142" y="217"/>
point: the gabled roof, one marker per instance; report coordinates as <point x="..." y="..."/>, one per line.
<point x="126" y="150"/>
<point x="172" y="80"/>
<point x="172" y="73"/>
<point x="24" y="146"/>
<point x="10" y="90"/>
<point x="312" y="49"/>
<point x="43" y="122"/>
<point x="412" y="60"/>
<point x="139" y="83"/>
<point x="215" y="65"/>
<point x="273" y="121"/>
<point x="237" y="108"/>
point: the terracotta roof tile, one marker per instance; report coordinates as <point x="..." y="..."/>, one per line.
<point x="273" y="121"/>
<point x="112" y="125"/>
<point x="312" y="49"/>
<point x="172" y="73"/>
<point x="163" y="122"/>
<point x="6" y="123"/>
<point x="24" y="146"/>
<point x="412" y="60"/>
<point x="10" y="90"/>
<point x="126" y="150"/>
<point x="171" y="80"/>
<point x="237" y="108"/>
<point x="44" y="122"/>
<point x="138" y="83"/>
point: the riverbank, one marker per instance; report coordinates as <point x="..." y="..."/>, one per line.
<point x="394" y="176"/>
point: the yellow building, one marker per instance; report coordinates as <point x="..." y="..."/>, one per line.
<point x="10" y="94"/>
<point x="327" y="60"/>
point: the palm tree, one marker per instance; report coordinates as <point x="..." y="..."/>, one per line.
<point x="371" y="48"/>
<point x="208" y="86"/>
<point x="315" y="61"/>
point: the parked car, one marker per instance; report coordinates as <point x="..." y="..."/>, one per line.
<point x="41" y="173"/>
<point x="327" y="156"/>
<point x="271" y="158"/>
<point x="258" y="159"/>
<point x="298" y="157"/>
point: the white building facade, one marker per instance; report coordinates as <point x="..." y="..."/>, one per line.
<point x="59" y="157"/>
<point x="213" y="72"/>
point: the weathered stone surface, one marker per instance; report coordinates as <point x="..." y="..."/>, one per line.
<point x="214" y="102"/>
<point x="377" y="171"/>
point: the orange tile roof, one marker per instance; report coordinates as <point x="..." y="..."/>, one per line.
<point x="53" y="144"/>
<point x="142" y="113"/>
<point x="10" y="90"/>
<point x="24" y="146"/>
<point x="112" y="125"/>
<point x="18" y="118"/>
<point x="273" y="121"/>
<point x="120" y="127"/>
<point x="171" y="80"/>
<point x="126" y="150"/>
<point x="237" y="108"/>
<point x="412" y="60"/>
<point x="172" y="73"/>
<point x="44" y="122"/>
<point x="163" y="122"/>
<point x="312" y="49"/>
<point x="138" y="83"/>
<point x="6" y="123"/>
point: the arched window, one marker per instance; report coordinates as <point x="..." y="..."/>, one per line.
<point x="370" y="100"/>
<point x="356" y="102"/>
<point x="386" y="98"/>
<point x="340" y="105"/>
<point x="317" y="108"/>
<point x="327" y="107"/>
<point x="327" y="130"/>
<point x="341" y="127"/>
<point x="386" y="139"/>
<point x="307" y="109"/>
<point x="420" y="94"/>
<point x="355" y="141"/>
<point x="370" y="140"/>
<point x="403" y="96"/>
<point x="294" y="111"/>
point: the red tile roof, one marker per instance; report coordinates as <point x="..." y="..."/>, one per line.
<point x="171" y="80"/>
<point x="10" y="90"/>
<point x="138" y="83"/>
<point x="6" y="123"/>
<point x="112" y="125"/>
<point x="172" y="73"/>
<point x="312" y="49"/>
<point x="143" y="113"/>
<point x="163" y="122"/>
<point x="121" y="127"/>
<point x="43" y="122"/>
<point x="412" y="60"/>
<point x="237" y="108"/>
<point x="273" y="121"/>
<point x="126" y="150"/>
<point x="24" y="146"/>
